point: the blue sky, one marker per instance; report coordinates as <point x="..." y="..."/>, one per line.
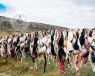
<point x="65" y="13"/>
<point x="2" y="8"/>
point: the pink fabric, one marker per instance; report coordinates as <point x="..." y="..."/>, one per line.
<point x="86" y="43"/>
<point x="59" y="36"/>
<point x="22" y="46"/>
<point x="90" y="40"/>
<point x="84" y="53"/>
<point x="32" y="43"/>
<point x="22" y="39"/>
<point x="86" y="59"/>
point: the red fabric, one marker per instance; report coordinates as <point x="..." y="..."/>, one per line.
<point x="29" y="35"/>
<point x="62" y="67"/>
<point x="78" y="60"/>
<point x="12" y="51"/>
<point x="59" y="31"/>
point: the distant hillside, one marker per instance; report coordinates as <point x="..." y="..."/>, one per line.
<point x="34" y="26"/>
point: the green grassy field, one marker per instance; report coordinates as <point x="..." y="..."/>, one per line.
<point x="24" y="69"/>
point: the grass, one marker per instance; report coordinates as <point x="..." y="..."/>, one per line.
<point x="24" y="69"/>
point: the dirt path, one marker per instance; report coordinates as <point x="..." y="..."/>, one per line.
<point x="3" y="74"/>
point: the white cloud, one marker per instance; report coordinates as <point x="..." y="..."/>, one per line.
<point x="65" y="13"/>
